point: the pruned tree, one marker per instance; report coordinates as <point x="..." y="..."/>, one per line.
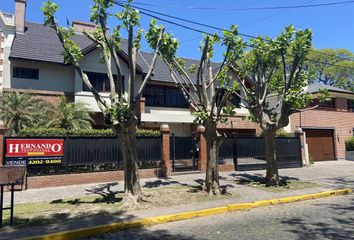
<point x="120" y="110"/>
<point x="276" y="69"/>
<point x="209" y="95"/>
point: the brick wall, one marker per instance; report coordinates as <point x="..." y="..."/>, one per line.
<point x="341" y="120"/>
<point x="84" y="178"/>
<point x="52" y="97"/>
<point x="239" y="122"/>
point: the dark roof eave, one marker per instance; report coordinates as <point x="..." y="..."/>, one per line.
<point x="38" y="60"/>
<point x="335" y="91"/>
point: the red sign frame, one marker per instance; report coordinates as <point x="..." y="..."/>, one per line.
<point x="34" y="151"/>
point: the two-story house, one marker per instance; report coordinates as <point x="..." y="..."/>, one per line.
<point x="32" y="60"/>
<point x="326" y="124"/>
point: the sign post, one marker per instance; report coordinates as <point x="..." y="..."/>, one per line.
<point x="9" y="176"/>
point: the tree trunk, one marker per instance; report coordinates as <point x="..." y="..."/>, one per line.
<point x="212" y="185"/>
<point x="127" y="141"/>
<point x="272" y="176"/>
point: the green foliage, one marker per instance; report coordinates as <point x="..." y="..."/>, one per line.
<point x="21" y="110"/>
<point x="169" y="44"/>
<point x="121" y="112"/>
<point x="99" y="11"/>
<point x="128" y="16"/>
<point x="279" y="133"/>
<point x="61" y="132"/>
<point x="276" y="69"/>
<point x="49" y="8"/>
<point x="72" y="53"/>
<point x="324" y="95"/>
<point x="200" y="116"/>
<point x="349" y="144"/>
<point x="70" y="115"/>
<point x="192" y="68"/>
<point x="333" y="67"/>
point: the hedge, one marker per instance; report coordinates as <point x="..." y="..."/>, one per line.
<point x="60" y="132"/>
<point x="279" y="133"/>
<point x="349" y="144"/>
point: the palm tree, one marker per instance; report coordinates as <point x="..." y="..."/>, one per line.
<point x="70" y="115"/>
<point x="21" y="110"/>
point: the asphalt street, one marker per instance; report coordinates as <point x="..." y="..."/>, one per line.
<point x="327" y="218"/>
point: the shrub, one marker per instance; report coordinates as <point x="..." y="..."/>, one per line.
<point x="60" y="132"/>
<point x="279" y="133"/>
<point x="349" y="144"/>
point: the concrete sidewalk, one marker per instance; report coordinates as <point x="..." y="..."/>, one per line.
<point x="328" y="175"/>
<point x="332" y="174"/>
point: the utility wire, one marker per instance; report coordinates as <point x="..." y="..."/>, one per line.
<point x="248" y="8"/>
<point x="211" y="34"/>
<point x="144" y="11"/>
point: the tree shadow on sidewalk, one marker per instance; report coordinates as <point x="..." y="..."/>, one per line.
<point x="29" y="226"/>
<point x="198" y="187"/>
<point x="107" y="195"/>
<point x="257" y="178"/>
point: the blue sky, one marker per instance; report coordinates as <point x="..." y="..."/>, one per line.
<point x="332" y="25"/>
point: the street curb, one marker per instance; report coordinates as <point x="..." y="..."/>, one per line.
<point x="114" y="227"/>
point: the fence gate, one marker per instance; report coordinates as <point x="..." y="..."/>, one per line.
<point x="249" y="153"/>
<point x="184" y="153"/>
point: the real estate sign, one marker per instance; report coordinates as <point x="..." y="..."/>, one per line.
<point x="38" y="151"/>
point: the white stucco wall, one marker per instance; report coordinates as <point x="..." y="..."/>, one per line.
<point x="91" y="63"/>
<point x="52" y="77"/>
<point x="8" y="31"/>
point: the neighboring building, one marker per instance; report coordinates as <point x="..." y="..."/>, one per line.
<point x="32" y="60"/>
<point x="328" y="125"/>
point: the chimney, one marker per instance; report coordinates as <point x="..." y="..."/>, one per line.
<point x="80" y="27"/>
<point x="20" y="15"/>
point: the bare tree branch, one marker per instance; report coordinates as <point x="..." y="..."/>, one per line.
<point x="102" y="104"/>
<point x="132" y="65"/>
<point x="113" y="52"/>
<point x="200" y="78"/>
<point x="152" y="64"/>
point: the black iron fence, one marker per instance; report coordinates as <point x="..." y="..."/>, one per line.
<point x="249" y="153"/>
<point x="97" y="154"/>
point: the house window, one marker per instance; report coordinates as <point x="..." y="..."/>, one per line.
<point x="99" y="81"/>
<point x="164" y="96"/>
<point x="28" y="73"/>
<point x="234" y="99"/>
<point x="350" y="104"/>
<point x="330" y="104"/>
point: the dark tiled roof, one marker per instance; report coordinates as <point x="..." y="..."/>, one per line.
<point x="315" y="88"/>
<point x="40" y="43"/>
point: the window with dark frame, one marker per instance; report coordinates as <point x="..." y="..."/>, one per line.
<point x="27" y="73"/>
<point x="350" y="104"/>
<point x="234" y="99"/>
<point x="330" y="104"/>
<point x="164" y="96"/>
<point x="100" y="82"/>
